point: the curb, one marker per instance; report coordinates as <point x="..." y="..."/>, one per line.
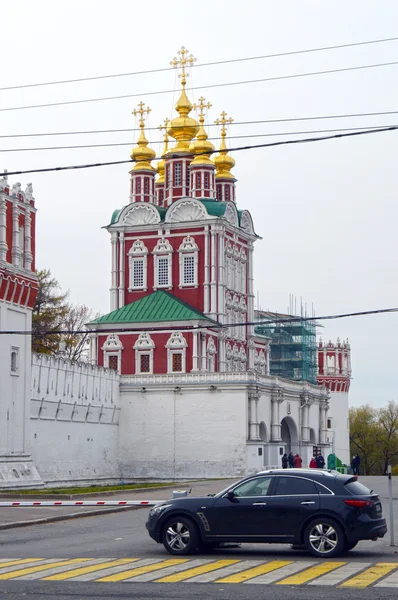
<point x="54" y="519"/>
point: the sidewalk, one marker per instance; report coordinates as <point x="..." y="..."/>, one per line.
<point x="22" y="516"/>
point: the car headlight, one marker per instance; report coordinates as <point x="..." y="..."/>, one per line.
<point x="156" y="510"/>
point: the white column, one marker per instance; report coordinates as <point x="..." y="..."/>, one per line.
<point x="221" y="279"/>
<point x="206" y="272"/>
<point x="253" y="415"/>
<point x="268" y="359"/>
<point x="323" y="407"/>
<point x="203" y="353"/>
<point x="121" y="270"/>
<point x="28" y="241"/>
<point x="250" y="289"/>
<point x="251" y="349"/>
<point x="305" y="424"/>
<point x="114" y="298"/>
<point x="213" y="281"/>
<point x="3" y="229"/>
<point x="195" y="351"/>
<point x="276" y="400"/>
<point x="15" y="251"/>
<point x="222" y="366"/>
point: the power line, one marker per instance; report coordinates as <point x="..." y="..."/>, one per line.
<point x="237" y="149"/>
<point x="232" y="137"/>
<point x="258" y="122"/>
<point x="293" y="319"/>
<point x="201" y="87"/>
<point x="208" y="64"/>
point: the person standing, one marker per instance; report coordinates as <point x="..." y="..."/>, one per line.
<point x="320" y="461"/>
<point x="298" y="461"/>
<point x="291" y="460"/>
<point x="284" y="461"/>
<point x="313" y="463"/>
<point x="356" y="461"/>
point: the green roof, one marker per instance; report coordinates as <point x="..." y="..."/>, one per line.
<point x="214" y="207"/>
<point x="156" y="307"/>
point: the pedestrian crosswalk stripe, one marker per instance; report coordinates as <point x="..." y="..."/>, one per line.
<point x="11" y="563"/>
<point x="281" y="573"/>
<point x="370" y="575"/>
<point x="339" y="575"/>
<point x="311" y="573"/>
<point x="218" y="564"/>
<point x="225" y="572"/>
<point x="140" y="570"/>
<point x="133" y="562"/>
<point x="89" y="569"/>
<point x="53" y="571"/>
<point x="41" y="567"/>
<point x="391" y="581"/>
<point x="254" y="572"/>
<point x="190" y="564"/>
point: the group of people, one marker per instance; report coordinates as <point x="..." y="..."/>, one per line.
<point x="291" y="461"/>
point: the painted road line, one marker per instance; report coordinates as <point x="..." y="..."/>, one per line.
<point x="254" y="571"/>
<point x="339" y="575"/>
<point x="41" y="567"/>
<point x="133" y="562"/>
<point x="226" y="571"/>
<point x="311" y="573"/>
<point x="83" y="561"/>
<point x="89" y="569"/>
<point x="283" y="572"/>
<point x="29" y="562"/>
<point x="391" y="581"/>
<point x="5" y="563"/>
<point x="370" y="575"/>
<point x="131" y="573"/>
<point x="213" y="566"/>
<point x="197" y="562"/>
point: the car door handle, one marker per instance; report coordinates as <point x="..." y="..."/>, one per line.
<point x="308" y="503"/>
<point x="259" y="504"/>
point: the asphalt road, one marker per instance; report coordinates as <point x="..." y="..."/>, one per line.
<point x="122" y="537"/>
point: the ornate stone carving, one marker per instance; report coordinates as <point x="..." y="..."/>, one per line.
<point x="188" y="244"/>
<point x="211" y="347"/>
<point x="29" y="192"/>
<point x="138" y="248"/>
<point x="277" y="396"/>
<point x="246" y="222"/>
<point x="112" y="342"/>
<point x="231" y="215"/>
<point x="176" y="340"/>
<point x="186" y="210"/>
<point x="16" y="189"/>
<point x="141" y="214"/>
<point x="163" y="247"/>
<point x="144" y="341"/>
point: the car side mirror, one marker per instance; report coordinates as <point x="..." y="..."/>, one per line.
<point x="231" y="495"/>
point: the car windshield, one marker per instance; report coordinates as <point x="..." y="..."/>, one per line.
<point x="357" y="489"/>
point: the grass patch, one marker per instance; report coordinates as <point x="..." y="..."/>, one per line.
<point x="88" y="490"/>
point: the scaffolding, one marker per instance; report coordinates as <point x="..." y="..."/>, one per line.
<point x="293" y="345"/>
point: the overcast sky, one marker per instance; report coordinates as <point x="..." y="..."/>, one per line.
<point x="327" y="212"/>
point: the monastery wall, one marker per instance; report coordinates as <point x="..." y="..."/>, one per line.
<point x="74" y="419"/>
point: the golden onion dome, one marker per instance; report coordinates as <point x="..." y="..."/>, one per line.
<point x="223" y="161"/>
<point x="202" y="148"/>
<point x="142" y="154"/>
<point x="183" y="128"/>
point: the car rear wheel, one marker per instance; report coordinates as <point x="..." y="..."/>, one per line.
<point x="180" y="536"/>
<point x="324" y="538"/>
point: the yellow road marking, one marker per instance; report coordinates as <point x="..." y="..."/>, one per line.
<point x="311" y="573"/>
<point x="89" y="569"/>
<point x="38" y="568"/>
<point x="20" y="561"/>
<point x="197" y="571"/>
<point x="145" y="569"/>
<point x="370" y="575"/>
<point x="254" y="571"/>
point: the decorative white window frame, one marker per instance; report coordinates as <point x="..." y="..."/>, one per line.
<point x="176" y="344"/>
<point x="14" y="361"/>
<point x="163" y="249"/>
<point x="188" y="248"/>
<point x="144" y="345"/>
<point x="138" y="252"/>
<point x="112" y="347"/>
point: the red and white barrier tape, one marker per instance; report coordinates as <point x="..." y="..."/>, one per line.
<point x="86" y="503"/>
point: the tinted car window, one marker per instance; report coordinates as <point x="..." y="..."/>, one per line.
<point x="356" y="488"/>
<point x="254" y="487"/>
<point x="294" y="486"/>
<point x="321" y="489"/>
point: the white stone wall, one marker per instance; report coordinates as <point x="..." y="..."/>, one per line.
<point x="339" y="434"/>
<point x="191" y="432"/>
<point x="75" y="412"/>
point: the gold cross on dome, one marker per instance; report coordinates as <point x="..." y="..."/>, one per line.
<point x="223" y="122"/>
<point x="141" y="111"/>
<point x="185" y="60"/>
<point x="201" y="107"/>
<point x="165" y="126"/>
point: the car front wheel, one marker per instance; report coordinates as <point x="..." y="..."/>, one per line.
<point x="180" y="536"/>
<point x="324" y="538"/>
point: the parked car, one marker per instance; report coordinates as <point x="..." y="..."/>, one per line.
<point x="325" y="511"/>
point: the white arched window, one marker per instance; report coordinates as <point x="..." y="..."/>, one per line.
<point x="162" y="264"/>
<point x="138" y="266"/>
<point x="176" y="353"/>
<point x="189" y="257"/>
<point x="112" y="350"/>
<point x="144" y="347"/>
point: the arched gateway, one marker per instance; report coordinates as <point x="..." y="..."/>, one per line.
<point x="289" y="434"/>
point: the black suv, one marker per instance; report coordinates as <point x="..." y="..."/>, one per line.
<point x="325" y="511"/>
